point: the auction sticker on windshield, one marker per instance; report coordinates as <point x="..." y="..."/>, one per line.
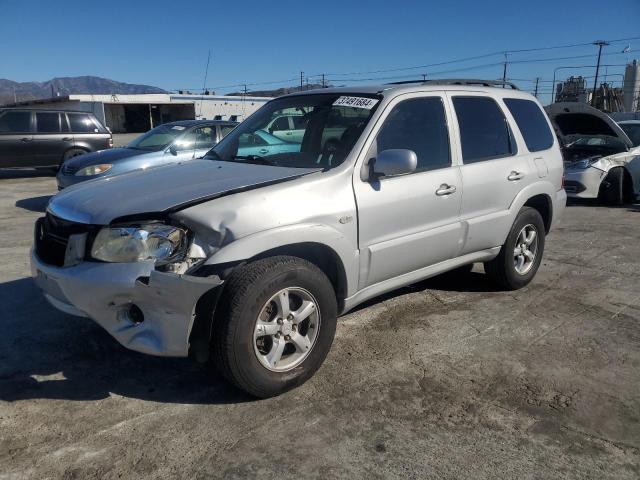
<point x="356" y="102"/>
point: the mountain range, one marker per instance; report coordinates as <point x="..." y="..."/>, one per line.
<point x="22" y="91"/>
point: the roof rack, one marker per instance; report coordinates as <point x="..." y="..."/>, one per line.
<point x="459" y="81"/>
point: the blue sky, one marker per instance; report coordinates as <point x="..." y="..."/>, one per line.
<point x="165" y="43"/>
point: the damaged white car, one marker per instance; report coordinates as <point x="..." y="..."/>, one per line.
<point x="601" y="161"/>
<point x="251" y="253"/>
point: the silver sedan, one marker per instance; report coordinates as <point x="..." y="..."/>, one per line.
<point x="168" y="143"/>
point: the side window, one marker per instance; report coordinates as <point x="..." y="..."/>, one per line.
<point x="81" y="123"/>
<point x="47" y="122"/>
<point x="299" y="122"/>
<point x="420" y="125"/>
<point x="484" y="131"/>
<point x="225" y="129"/>
<point x="531" y="122"/>
<point x="15" y="122"/>
<point x="280" y="124"/>
<point x="186" y="141"/>
<point x="251" y="140"/>
<point x="205" y="137"/>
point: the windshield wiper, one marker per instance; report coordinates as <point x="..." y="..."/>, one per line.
<point x="257" y="159"/>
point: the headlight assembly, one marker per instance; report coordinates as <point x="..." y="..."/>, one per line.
<point x="93" y="170"/>
<point x="151" y="241"/>
<point x="585" y="163"/>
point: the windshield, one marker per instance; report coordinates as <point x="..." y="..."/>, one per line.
<point x="305" y="131"/>
<point x="157" y="138"/>
<point x="633" y="132"/>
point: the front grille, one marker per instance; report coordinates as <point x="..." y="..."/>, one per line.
<point x="51" y="238"/>
<point x="69" y="170"/>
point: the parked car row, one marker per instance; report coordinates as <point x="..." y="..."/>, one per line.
<point x="168" y="143"/>
<point x="249" y="254"/>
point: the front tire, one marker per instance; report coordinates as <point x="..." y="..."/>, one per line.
<point x="274" y="325"/>
<point x="520" y="256"/>
<point x="612" y="189"/>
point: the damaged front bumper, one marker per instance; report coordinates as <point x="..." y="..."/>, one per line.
<point x="583" y="183"/>
<point x="145" y="310"/>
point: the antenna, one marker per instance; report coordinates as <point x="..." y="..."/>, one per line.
<point x="204" y="85"/>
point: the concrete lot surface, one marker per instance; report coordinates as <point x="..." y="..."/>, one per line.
<point x="450" y="378"/>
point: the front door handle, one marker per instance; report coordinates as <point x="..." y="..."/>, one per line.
<point x="263" y="151"/>
<point x="26" y="139"/>
<point x="445" y="189"/>
<point x="513" y="176"/>
<point x="67" y="139"/>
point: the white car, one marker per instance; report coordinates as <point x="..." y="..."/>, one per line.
<point x="601" y="161"/>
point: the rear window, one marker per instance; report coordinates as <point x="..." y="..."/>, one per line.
<point x="531" y="122"/>
<point x="47" y="122"/>
<point x="81" y="123"/>
<point x="484" y="131"/>
<point x="15" y="122"/>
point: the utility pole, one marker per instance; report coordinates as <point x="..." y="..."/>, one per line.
<point x="599" y="44"/>
<point x="323" y="84"/>
<point x="535" y="94"/>
<point x="301" y="80"/>
<point x="424" y="77"/>
<point x="504" y="71"/>
<point x="15" y="97"/>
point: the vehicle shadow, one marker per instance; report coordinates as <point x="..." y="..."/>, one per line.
<point x="454" y="281"/>
<point x="593" y="202"/>
<point x="46" y="354"/>
<point x="7" y="173"/>
<point x="34" y="204"/>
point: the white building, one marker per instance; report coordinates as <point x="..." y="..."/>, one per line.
<point x="139" y="113"/>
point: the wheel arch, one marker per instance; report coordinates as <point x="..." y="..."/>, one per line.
<point x="540" y="196"/>
<point x="74" y="147"/>
<point x="321" y="255"/>
<point x="543" y="204"/>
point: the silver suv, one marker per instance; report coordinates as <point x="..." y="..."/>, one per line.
<point x="252" y="256"/>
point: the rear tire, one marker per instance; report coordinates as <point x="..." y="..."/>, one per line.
<point x="520" y="256"/>
<point x="612" y="189"/>
<point x="259" y="311"/>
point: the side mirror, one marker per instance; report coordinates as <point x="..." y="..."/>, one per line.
<point x="395" y="161"/>
<point x="173" y="149"/>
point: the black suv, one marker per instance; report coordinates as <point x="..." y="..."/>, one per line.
<point x="46" y="138"/>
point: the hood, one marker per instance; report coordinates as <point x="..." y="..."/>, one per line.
<point x="162" y="189"/>
<point x="111" y="155"/>
<point x="572" y="120"/>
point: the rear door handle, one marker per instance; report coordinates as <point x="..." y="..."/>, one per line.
<point x="26" y="139"/>
<point x="67" y="139"/>
<point x="263" y="151"/>
<point x="445" y="189"/>
<point x="513" y="176"/>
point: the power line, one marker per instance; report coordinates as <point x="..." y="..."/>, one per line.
<point x="337" y="77"/>
<point x="477" y="57"/>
